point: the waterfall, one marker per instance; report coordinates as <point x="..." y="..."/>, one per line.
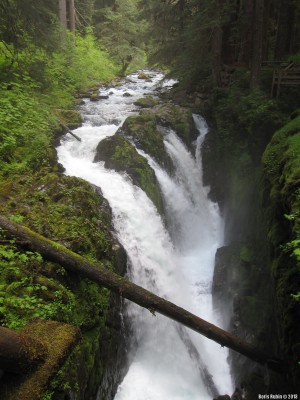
<point x="168" y="362"/>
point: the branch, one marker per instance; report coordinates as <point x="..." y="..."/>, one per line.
<point x="68" y="130"/>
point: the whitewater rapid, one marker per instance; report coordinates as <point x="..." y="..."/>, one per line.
<point x="166" y="360"/>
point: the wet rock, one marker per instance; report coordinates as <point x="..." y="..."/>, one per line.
<point x="237" y="395"/>
<point x="144" y="76"/>
<point x="146" y="102"/>
<point x="119" y="154"/>
<point x="180" y="119"/>
<point x="94" y="97"/>
<point x="126" y="94"/>
<point x="143" y="131"/>
<point x="225" y="397"/>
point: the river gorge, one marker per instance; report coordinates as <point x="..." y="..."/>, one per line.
<point x="171" y="256"/>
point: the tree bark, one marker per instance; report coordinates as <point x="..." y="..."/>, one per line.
<point x="217" y="54"/>
<point x="68" y="130"/>
<point x="72" y="15"/>
<point x="95" y="272"/>
<point x="286" y="29"/>
<point x="19" y="353"/>
<point x="246" y="19"/>
<point x="217" y="44"/>
<point x="257" y="48"/>
<point x="62" y="9"/>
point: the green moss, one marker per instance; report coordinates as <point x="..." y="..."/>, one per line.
<point x="282" y="182"/>
<point x="246" y="254"/>
<point x="119" y="154"/>
<point x="146" y="102"/>
<point x="178" y="118"/>
<point x="143" y="131"/>
<point x="251" y="312"/>
<point x="70" y="118"/>
<point x="144" y="76"/>
<point x="59" y="339"/>
<point x="282" y="175"/>
<point x="70" y="212"/>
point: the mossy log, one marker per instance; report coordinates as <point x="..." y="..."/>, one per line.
<point x="68" y="130"/>
<point x="59" y="339"/>
<point x="18" y="352"/>
<point x="95" y="272"/>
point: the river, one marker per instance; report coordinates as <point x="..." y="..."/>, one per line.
<point x="167" y="362"/>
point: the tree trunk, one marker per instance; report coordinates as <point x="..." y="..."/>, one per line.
<point x="95" y="272"/>
<point x="217" y="54"/>
<point x="217" y="44"/>
<point x="246" y="19"/>
<point x="19" y="353"/>
<point x="62" y="9"/>
<point x="286" y="29"/>
<point x="257" y="47"/>
<point x="72" y="15"/>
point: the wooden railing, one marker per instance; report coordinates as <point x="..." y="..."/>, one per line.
<point x="287" y="75"/>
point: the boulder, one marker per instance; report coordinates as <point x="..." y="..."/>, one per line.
<point x="146" y="102"/>
<point x="143" y="131"/>
<point x="94" y="97"/>
<point x="144" y="76"/>
<point x="119" y="154"/>
<point x="180" y="119"/>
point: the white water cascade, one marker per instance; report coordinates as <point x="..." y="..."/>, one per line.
<point x="168" y="362"/>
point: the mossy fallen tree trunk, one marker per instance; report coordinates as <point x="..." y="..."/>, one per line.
<point x="20" y="353"/>
<point x="32" y="380"/>
<point x="95" y="272"/>
<point x="68" y="130"/>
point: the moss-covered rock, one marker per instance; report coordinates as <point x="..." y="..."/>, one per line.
<point x="119" y="154"/>
<point x="180" y="119"/>
<point x="144" y="76"/>
<point x="256" y="274"/>
<point x="70" y="211"/>
<point x="282" y="189"/>
<point x="146" y="102"/>
<point x="143" y="131"/>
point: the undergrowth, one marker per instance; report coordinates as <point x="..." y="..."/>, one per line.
<point x="34" y="86"/>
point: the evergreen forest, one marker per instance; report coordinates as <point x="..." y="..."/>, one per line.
<point x="234" y="62"/>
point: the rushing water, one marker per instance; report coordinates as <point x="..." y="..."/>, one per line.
<point x="168" y="362"/>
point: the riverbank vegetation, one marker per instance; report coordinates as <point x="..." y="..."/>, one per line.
<point x="42" y="70"/>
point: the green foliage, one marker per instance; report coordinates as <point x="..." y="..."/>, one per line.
<point x="77" y="65"/>
<point x="22" y="296"/>
<point x="19" y="19"/>
<point x="246" y="254"/>
<point x="33" y="86"/>
<point x="24" y="128"/>
<point x="121" y="32"/>
<point x="48" y="395"/>
<point x="250" y="114"/>
<point x="31" y="287"/>
<point x="121" y="155"/>
<point x="281" y="162"/>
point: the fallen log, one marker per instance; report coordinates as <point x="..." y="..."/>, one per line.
<point x="95" y="272"/>
<point x="68" y="130"/>
<point x="31" y="384"/>
<point x="19" y="353"/>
